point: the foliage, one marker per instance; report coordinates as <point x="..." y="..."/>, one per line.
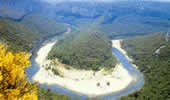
<point x="21" y="36"/>
<point x="18" y="36"/>
<point x="47" y="94"/>
<point x="133" y="25"/>
<point x="84" y="51"/>
<point x="94" y="99"/>
<point x="43" y="24"/>
<point x="129" y="24"/>
<point x="13" y="80"/>
<point x="44" y="94"/>
<point x="154" y="67"/>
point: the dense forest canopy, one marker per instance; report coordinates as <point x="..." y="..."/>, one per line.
<point x="85" y="51"/>
<point x="155" y="67"/>
<point x="43" y="24"/>
<point x="22" y="35"/>
<point x="17" y="35"/>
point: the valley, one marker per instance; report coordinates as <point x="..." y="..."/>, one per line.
<point x="85" y="50"/>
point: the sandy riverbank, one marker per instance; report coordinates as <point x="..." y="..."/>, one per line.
<point x="81" y="81"/>
<point x="117" y="44"/>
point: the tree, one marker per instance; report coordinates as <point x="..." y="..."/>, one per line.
<point x="13" y="80"/>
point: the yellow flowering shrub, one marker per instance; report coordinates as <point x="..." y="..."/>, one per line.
<point x="13" y="80"/>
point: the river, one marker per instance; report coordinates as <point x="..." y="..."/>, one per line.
<point x="133" y="86"/>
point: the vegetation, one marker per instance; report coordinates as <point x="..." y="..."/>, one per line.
<point x="43" y="24"/>
<point x="133" y="25"/>
<point x="18" y="36"/>
<point x="94" y="99"/>
<point x="84" y="51"/>
<point x="14" y="84"/>
<point x="46" y="94"/>
<point x="21" y="36"/>
<point x="154" y="67"/>
<point x="123" y="26"/>
<point x="127" y="19"/>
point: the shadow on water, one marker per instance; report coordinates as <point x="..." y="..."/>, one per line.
<point x="133" y="86"/>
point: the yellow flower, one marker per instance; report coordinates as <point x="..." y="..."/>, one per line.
<point x="14" y="84"/>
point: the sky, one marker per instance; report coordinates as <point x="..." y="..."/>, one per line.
<point x="54" y="1"/>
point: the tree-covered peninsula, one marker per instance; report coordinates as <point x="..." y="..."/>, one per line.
<point x="84" y="51"/>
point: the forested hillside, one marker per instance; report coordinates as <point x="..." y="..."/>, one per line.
<point x="45" y="25"/>
<point x="84" y="51"/>
<point x="118" y="19"/>
<point x="17" y="36"/>
<point x="22" y="35"/>
<point x="154" y="66"/>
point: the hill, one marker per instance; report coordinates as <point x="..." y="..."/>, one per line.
<point x="151" y="53"/>
<point x="22" y="35"/>
<point x="43" y="24"/>
<point x="117" y="19"/>
<point x="18" y="36"/>
<point x="84" y="51"/>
